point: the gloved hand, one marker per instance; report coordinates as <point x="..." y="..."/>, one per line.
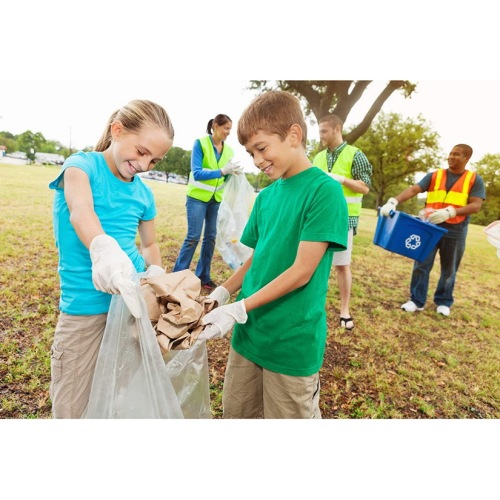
<point x="154" y="270"/>
<point x="231" y="168"/>
<point x="442" y="215"/>
<point x="221" y="295"/>
<point x="391" y="205"/>
<point x="112" y="271"/>
<point x="221" y="319"/>
<point x="339" y="178"/>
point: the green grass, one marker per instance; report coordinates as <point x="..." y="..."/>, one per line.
<point x="392" y="365"/>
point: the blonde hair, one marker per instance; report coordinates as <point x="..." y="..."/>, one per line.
<point x="135" y="115"/>
<point x="273" y="112"/>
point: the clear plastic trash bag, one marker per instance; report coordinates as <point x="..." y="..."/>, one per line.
<point x="231" y="220"/>
<point x="133" y="380"/>
<point x="188" y="371"/>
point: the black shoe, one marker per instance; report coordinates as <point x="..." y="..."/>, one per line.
<point x="209" y="285"/>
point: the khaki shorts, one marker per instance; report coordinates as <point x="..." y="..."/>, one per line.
<point x="251" y="391"/>
<point x="77" y="340"/>
<point x="344" y="258"/>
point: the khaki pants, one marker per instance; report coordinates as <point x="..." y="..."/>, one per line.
<point x="251" y="391"/>
<point x="73" y="358"/>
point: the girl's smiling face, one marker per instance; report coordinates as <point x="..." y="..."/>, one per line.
<point x="134" y="152"/>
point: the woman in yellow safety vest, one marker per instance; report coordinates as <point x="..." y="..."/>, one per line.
<point x="210" y="164"/>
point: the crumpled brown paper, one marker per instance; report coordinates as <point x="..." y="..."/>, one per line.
<point x="176" y="308"/>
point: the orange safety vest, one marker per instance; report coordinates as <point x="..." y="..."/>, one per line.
<point x="457" y="196"/>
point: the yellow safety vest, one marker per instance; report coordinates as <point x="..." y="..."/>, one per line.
<point x="343" y="166"/>
<point x="204" y="190"/>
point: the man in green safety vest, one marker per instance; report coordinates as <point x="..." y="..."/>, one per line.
<point x="349" y="166"/>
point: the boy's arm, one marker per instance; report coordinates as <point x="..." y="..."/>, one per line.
<point x="309" y="255"/>
<point x="220" y="320"/>
<point x="222" y="294"/>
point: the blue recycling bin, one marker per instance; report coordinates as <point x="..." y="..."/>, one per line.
<point x="407" y="235"/>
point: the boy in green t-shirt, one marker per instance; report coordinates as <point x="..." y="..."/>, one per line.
<point x="279" y="317"/>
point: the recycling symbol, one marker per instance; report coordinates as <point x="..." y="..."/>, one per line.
<point x="413" y="242"/>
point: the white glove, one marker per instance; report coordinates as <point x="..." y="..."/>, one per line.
<point x="389" y="207"/>
<point x="222" y="319"/>
<point x="339" y="178"/>
<point x="154" y="270"/>
<point x="231" y="168"/>
<point x="442" y="215"/>
<point x="112" y="271"/>
<point x="221" y="295"/>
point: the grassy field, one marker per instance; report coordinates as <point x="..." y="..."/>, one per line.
<point x="393" y="365"/>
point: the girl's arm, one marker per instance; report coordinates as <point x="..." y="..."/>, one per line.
<point x="78" y="195"/>
<point x="149" y="248"/>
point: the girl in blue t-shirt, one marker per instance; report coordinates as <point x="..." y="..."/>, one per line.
<point x="99" y="206"/>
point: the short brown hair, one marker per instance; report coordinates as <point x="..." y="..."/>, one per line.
<point x="273" y="112"/>
<point x="333" y="120"/>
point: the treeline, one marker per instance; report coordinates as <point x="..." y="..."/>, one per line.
<point x="400" y="150"/>
<point x="32" y="142"/>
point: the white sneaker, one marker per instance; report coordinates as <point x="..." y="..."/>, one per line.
<point x="444" y="310"/>
<point x="410" y="306"/>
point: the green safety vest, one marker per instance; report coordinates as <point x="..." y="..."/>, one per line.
<point x="204" y="190"/>
<point x="342" y="166"/>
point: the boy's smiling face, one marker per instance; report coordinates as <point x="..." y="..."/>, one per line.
<point x="273" y="156"/>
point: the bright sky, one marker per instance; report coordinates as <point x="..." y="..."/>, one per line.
<point x="76" y="112"/>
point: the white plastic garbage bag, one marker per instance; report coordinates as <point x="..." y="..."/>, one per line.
<point x="130" y="378"/>
<point x="231" y="220"/>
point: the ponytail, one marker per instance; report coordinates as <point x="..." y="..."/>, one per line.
<point x="105" y="141"/>
<point x="209" y="126"/>
<point x="220" y="119"/>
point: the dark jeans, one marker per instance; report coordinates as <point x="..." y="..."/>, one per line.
<point x="199" y="213"/>
<point x="451" y="248"/>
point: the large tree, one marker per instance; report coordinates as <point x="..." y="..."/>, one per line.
<point x="322" y="97"/>
<point x="398" y="148"/>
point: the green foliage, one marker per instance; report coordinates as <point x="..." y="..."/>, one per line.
<point x="489" y="169"/>
<point x="398" y="149"/>
<point x="176" y="161"/>
<point x="31" y="143"/>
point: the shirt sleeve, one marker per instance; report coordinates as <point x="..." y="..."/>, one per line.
<point x="478" y="190"/>
<point x="327" y="217"/>
<point x="425" y="182"/>
<point x="200" y="173"/>
<point x="361" y="168"/>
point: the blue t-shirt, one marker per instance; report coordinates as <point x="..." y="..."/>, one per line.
<point x="120" y="206"/>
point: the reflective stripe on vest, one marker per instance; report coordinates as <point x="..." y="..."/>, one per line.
<point x="204" y="190"/>
<point x="343" y="166"/>
<point x="457" y="196"/>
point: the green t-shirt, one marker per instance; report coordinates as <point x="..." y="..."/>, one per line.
<point x="288" y="335"/>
